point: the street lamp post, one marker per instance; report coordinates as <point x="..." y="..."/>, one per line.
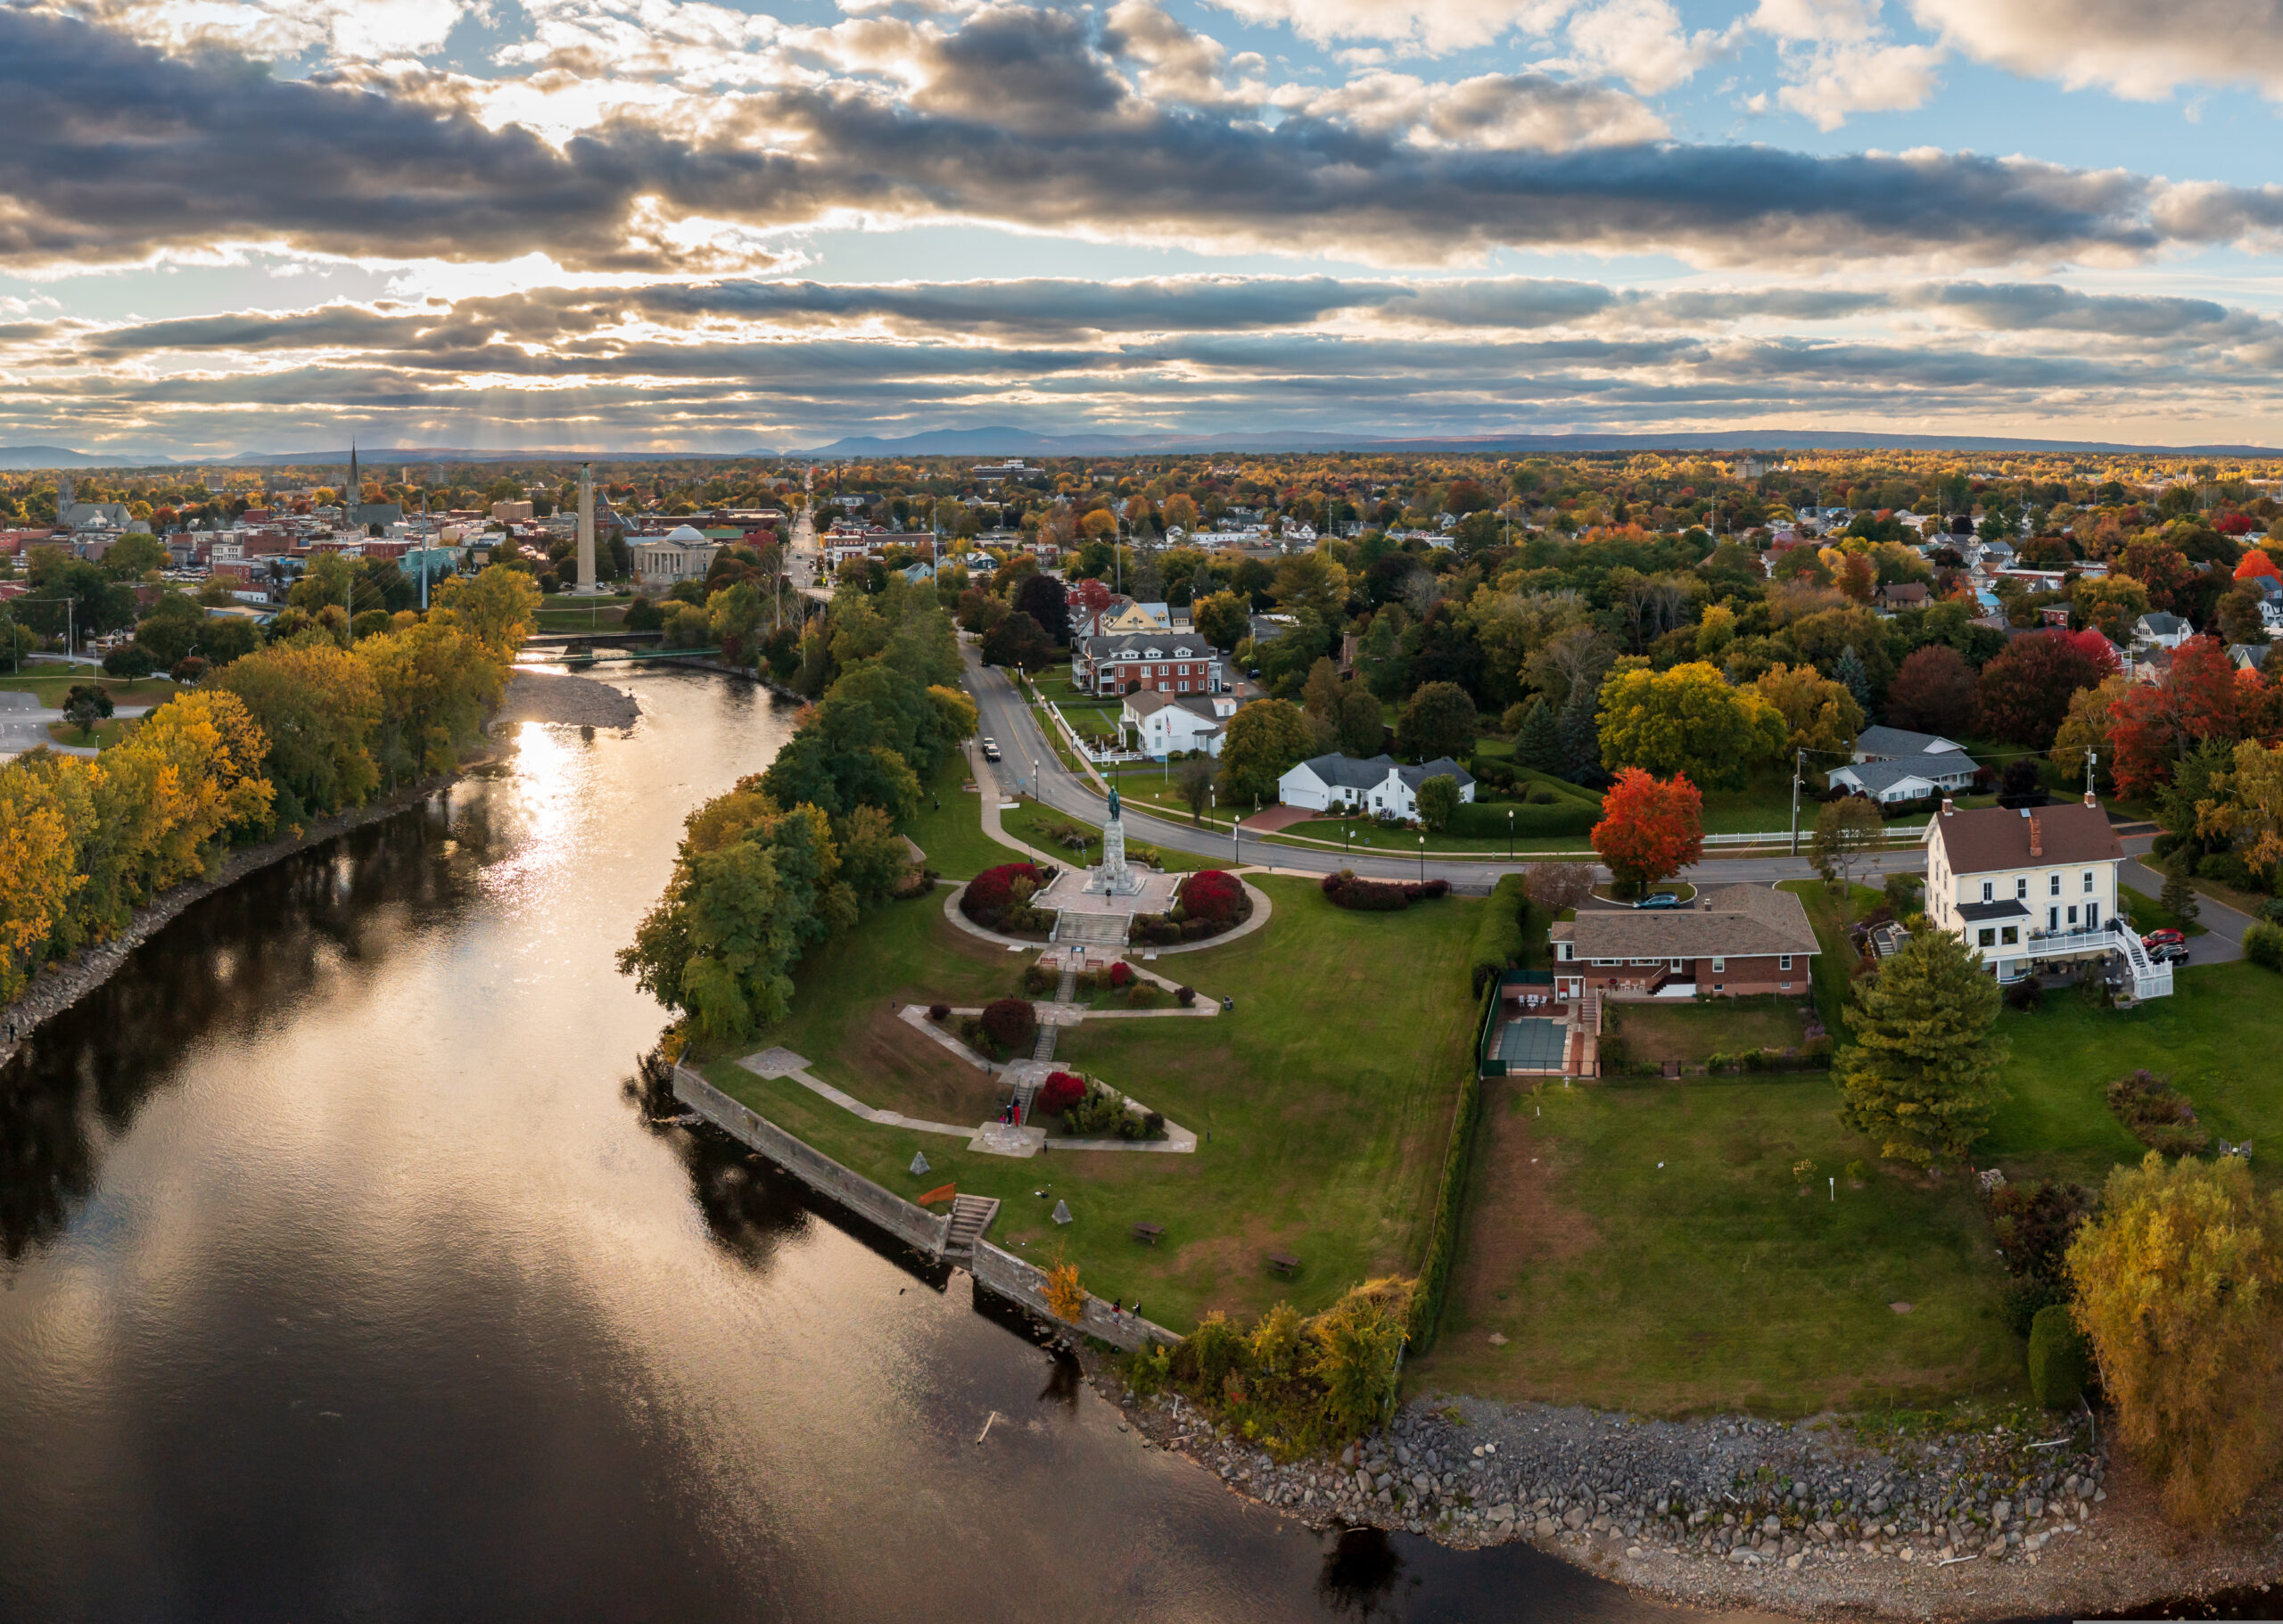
<point x="1422" y="859"/>
<point x="1510" y="833"/>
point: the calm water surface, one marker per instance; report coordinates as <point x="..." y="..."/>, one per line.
<point x="343" y="1279"/>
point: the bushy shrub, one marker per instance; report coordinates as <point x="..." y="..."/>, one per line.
<point x="2022" y="1298"/>
<point x="1498" y="934"/>
<point x="991" y="894"/>
<point x="1185" y="996"/>
<point x="1010" y="1023"/>
<point x="2226" y="869"/>
<point x="2034" y="1222"/>
<point x="2263" y="947"/>
<point x="1059" y="1091"/>
<point x="1211" y="894"/>
<point x="2058" y="1364"/>
<point x="1038" y="978"/>
<point x="1148" y="995"/>
<point x="1121" y="974"/>
<point x="2156" y="1114"/>
<point x="1380" y="896"/>
<point x="1085" y="983"/>
<point x="2026" y="994"/>
<point x="939" y="1012"/>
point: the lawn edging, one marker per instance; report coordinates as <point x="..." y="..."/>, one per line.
<point x="1442" y="1239"/>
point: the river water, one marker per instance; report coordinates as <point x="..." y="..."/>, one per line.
<point x="343" y="1279"/>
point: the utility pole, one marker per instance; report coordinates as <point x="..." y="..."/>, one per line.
<point x="2090" y="757"/>
<point x="1799" y="766"/>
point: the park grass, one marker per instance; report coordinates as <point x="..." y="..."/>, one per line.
<point x="2216" y="1038"/>
<point x="50" y="690"/>
<point x="107" y="733"/>
<point x="1834" y="963"/>
<point x="1327" y="1095"/>
<point x="1690" y="1032"/>
<point x="1039" y="826"/>
<point x="949" y="826"/>
<point x="2147" y="914"/>
<point x="1710" y="1283"/>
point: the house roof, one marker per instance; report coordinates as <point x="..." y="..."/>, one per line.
<point x="1877" y="776"/>
<point x="1904" y="592"/>
<point x="1876" y="742"/>
<point x="1733" y="922"/>
<point x="1350" y="772"/>
<point x="1157" y="643"/>
<point x="1441" y="767"/>
<point x="1997" y="837"/>
<point x="1150" y="701"/>
<point x="2161" y="624"/>
<point x="2249" y="655"/>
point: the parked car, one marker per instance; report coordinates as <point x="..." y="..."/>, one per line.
<point x="2169" y="952"/>
<point x="1660" y="899"/>
<point x="2164" y="938"/>
<point x="990" y="749"/>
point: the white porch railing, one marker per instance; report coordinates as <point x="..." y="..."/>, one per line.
<point x="2150" y="980"/>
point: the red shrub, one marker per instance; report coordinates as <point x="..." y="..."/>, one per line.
<point x="1057" y="1094"/>
<point x="1009" y="1022"/>
<point x="1211" y="894"/>
<point x="1121" y="974"/>
<point x="989" y="893"/>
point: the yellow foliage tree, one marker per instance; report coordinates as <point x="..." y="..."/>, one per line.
<point x="501" y="606"/>
<point x="1064" y="1294"/>
<point x="1819" y="714"/>
<point x="1687" y="720"/>
<point x="40" y="830"/>
<point x="2247" y="808"/>
<point x="2178" y="1283"/>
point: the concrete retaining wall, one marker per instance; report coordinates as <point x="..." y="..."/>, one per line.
<point x="907" y="1223"/>
<point x="1000" y="1272"/>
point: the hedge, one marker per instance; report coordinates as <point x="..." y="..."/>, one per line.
<point x="1443" y="1237"/>
<point x="2057" y="1363"/>
<point x="1379" y="896"/>
<point x="1498" y="934"/>
<point x="1488" y="820"/>
<point x="2263" y="947"/>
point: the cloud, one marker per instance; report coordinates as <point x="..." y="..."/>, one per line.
<point x="371" y="30"/>
<point x="2141" y="49"/>
<point x="1497" y="111"/>
<point x="1834" y="82"/>
<point x="1432" y="26"/>
<point x="1641" y="42"/>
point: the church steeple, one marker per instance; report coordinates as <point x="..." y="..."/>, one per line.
<point x="355" y="494"/>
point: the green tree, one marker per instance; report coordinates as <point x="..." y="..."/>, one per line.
<point x="2177" y="898"/>
<point x="2178" y="1283"/>
<point x="1440" y="720"/>
<point x="134" y="556"/>
<point x="1439" y="802"/>
<point x="1538" y="746"/>
<point x="1194" y="779"/>
<point x="86" y="706"/>
<point x="1261" y="743"/>
<point x="1689" y="720"/>
<point x="1920" y="1079"/>
<point x="1855" y="677"/>
<point x="733" y="616"/>
<point x="1359" y="726"/>
<point x="1379" y="660"/>
<point x="1847" y="830"/>
<point x="130" y="661"/>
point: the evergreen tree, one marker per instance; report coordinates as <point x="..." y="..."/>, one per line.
<point x="1858" y="680"/>
<point x="1581" y="734"/>
<point x="1538" y="746"/>
<point x="2177" y="898"/>
<point x="1921" y="1076"/>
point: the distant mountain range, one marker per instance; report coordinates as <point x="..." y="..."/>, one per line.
<point x="1008" y="440"/>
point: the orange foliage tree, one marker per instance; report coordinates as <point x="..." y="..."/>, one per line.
<point x="2255" y="562"/>
<point x="1650" y="829"/>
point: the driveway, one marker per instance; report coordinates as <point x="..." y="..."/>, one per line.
<point x="2222" y="942"/>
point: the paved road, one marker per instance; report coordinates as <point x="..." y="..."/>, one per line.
<point x="1008" y="720"/>
<point x="2223" y="938"/>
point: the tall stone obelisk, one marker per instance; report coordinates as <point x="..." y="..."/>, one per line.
<point x="587" y="582"/>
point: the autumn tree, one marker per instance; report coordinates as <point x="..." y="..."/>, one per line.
<point x="2085" y="729"/>
<point x="2178" y="1283"/>
<point x="1439" y="721"/>
<point x="2158" y="566"/>
<point x="45" y="814"/>
<point x="1650" y="829"/>
<point x="1017" y="641"/>
<point x="1687" y="720"/>
<point x="1223" y="619"/>
<point x="1260" y="744"/>
<point x="1819" y="715"/>
<point x="1920" y="1079"/>
<point x="1846" y="832"/>
<point x="1556" y="885"/>
<point x="1194" y="779"/>
<point x="2112" y="606"/>
<point x="2254" y="563"/>
<point x="2024" y="693"/>
<point x="2152" y="726"/>
<point x="1933" y="692"/>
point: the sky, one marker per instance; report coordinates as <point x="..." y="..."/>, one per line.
<point x="238" y="226"/>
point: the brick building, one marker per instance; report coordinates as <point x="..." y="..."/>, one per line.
<point x="1729" y="943"/>
<point x="1171" y="662"/>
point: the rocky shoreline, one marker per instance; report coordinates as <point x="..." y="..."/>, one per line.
<point x="530" y="696"/>
<point x="1813" y="1519"/>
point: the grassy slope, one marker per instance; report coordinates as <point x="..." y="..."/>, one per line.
<point x="952" y="837"/>
<point x="50" y="690"/>
<point x="1710" y="1281"/>
<point x="1328" y="1110"/>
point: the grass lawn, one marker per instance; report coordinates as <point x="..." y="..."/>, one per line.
<point x="1037" y="824"/>
<point x="1653" y="1034"/>
<point x="108" y="732"/>
<point x="1710" y="1281"/>
<point x="952" y="837"/>
<point x="1834" y="964"/>
<point x="2216" y="1036"/>
<point x="50" y="690"/>
<point x="2147" y="914"/>
<point x="1328" y="1114"/>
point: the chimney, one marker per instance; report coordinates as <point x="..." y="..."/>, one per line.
<point x="2037" y="835"/>
<point x="2092" y="801"/>
<point x="1949" y="806"/>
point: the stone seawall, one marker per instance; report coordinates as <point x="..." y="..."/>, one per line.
<point x="1000" y="1272"/>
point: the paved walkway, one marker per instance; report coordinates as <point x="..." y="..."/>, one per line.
<point x="2223" y="941"/>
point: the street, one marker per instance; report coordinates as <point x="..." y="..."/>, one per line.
<point x="1006" y="718"/>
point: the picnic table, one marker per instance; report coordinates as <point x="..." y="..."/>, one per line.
<point x="1149" y="1231"/>
<point x="1283" y="1263"/>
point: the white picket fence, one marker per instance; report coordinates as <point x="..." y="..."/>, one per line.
<point x="1783" y="837"/>
<point x="1101" y="758"/>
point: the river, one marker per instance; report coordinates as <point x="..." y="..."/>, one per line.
<point x="343" y="1279"/>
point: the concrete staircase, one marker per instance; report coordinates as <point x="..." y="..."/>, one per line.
<point x="971" y="1214"/>
<point x="1091" y="929"/>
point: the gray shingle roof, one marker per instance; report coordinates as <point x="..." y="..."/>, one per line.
<point x="1733" y="922"/>
<point x="1899" y="742"/>
<point x="1878" y="777"/>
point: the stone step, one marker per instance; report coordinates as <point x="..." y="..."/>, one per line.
<point x="971" y="1214"/>
<point x="1091" y="929"/>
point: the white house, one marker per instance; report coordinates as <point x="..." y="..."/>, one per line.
<point x="2160" y="630"/>
<point x="1379" y="786"/>
<point x="1168" y="724"/>
<point x="1895" y="764"/>
<point x="2032" y="885"/>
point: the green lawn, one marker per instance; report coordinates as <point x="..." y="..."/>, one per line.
<point x="2147" y="914"/>
<point x="1038" y="825"/>
<point x="949" y="826"/>
<point x="1710" y="1281"/>
<point x="2217" y="1036"/>
<point x="108" y="732"/>
<point x="1834" y="963"/>
<point x="50" y="690"/>
<point x="1689" y="1032"/>
<point x="1328" y="1114"/>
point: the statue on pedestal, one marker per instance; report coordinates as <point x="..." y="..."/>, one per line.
<point x="1112" y="877"/>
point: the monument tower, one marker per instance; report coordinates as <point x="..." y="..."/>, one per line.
<point x="587" y="582"/>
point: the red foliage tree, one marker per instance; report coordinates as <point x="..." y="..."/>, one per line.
<point x="1057" y="1094"/>
<point x="1121" y="974"/>
<point x="2159" y="567"/>
<point x="2025" y="691"/>
<point x="2236" y="524"/>
<point x="1650" y="829"/>
<point x="1088" y="598"/>
<point x="2154" y="725"/>
<point x="1212" y="894"/>
<point x="1933" y="692"/>
<point x="2255" y="562"/>
<point x="989" y="892"/>
<point x="1009" y="1022"/>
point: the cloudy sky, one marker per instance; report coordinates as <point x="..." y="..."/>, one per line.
<point x="271" y="224"/>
